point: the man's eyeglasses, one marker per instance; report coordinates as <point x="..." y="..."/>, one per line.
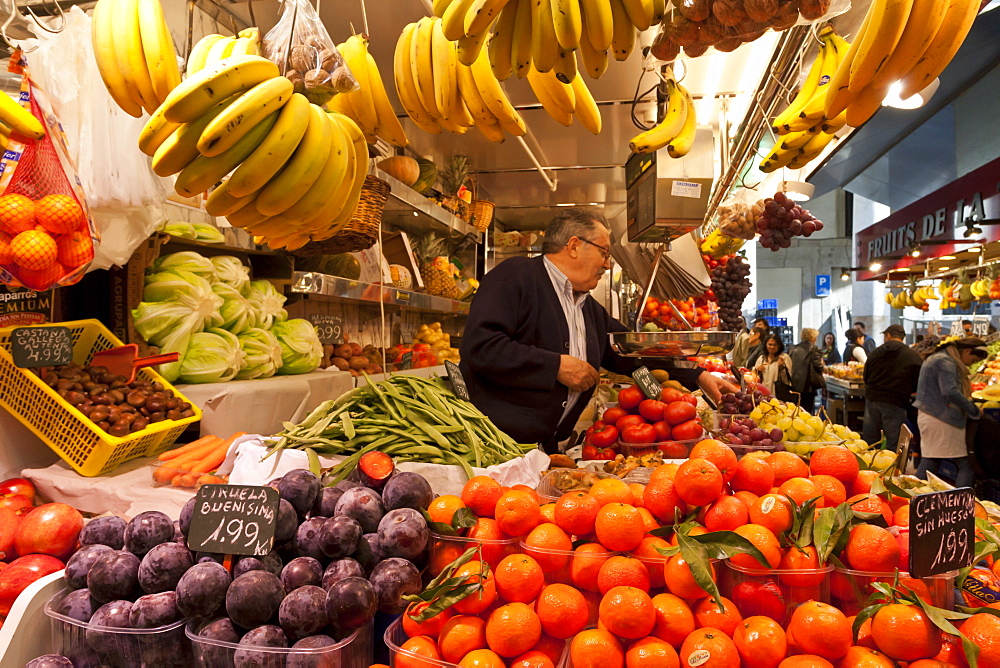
<point x="605" y="252"/>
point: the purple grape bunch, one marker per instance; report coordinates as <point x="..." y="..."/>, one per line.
<point x="744" y="431"/>
<point x="782" y="220"/>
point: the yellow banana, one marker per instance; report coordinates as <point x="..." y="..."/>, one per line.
<point x="659" y="11"/>
<point x="422" y="64"/>
<point x="131" y="61"/>
<point x="157" y="49"/>
<point x="567" y="21"/>
<point x="565" y="67"/>
<point x="544" y="46"/>
<point x="922" y="25"/>
<point x="681" y="145"/>
<point x="440" y="7"/>
<point x="520" y="53"/>
<point x="492" y="130"/>
<point x="598" y="23"/>
<point x="838" y="93"/>
<point x="19" y="119"/>
<point x="805" y="94"/>
<point x="667" y="129"/>
<point x="199" y="93"/>
<point x="795" y="140"/>
<point x="501" y="43"/>
<point x="468" y="48"/>
<point x="302" y="170"/>
<point x="333" y="174"/>
<point x="834" y="124"/>
<point x="320" y="221"/>
<point x="493" y="95"/>
<point x="105" y="47"/>
<point x="623" y="32"/>
<point x="199" y="53"/>
<point x="954" y="27"/>
<point x="888" y="19"/>
<point x="244" y="113"/>
<point x="350" y="203"/>
<point x="221" y="202"/>
<point x="246" y="46"/>
<point x="586" y="108"/>
<point x="180" y="149"/>
<point x="453" y="20"/>
<point x="246" y="216"/>
<point x="594" y="62"/>
<point x="812" y="112"/>
<point x="445" y="74"/>
<point x="406" y="90"/>
<point x="220" y="50"/>
<point x="640" y="13"/>
<point x="865" y="105"/>
<point x="354" y="50"/>
<point x="473" y="100"/>
<point x="154" y="132"/>
<point x="276" y="149"/>
<point x="481" y="14"/>
<point x="389" y="127"/>
<point x="558" y="99"/>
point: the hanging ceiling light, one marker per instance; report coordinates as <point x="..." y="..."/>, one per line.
<point x="914" y="101"/>
<point x="845" y="275"/>
<point x="875" y="266"/>
<point x="798" y="191"/>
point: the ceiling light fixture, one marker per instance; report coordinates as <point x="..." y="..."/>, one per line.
<point x="914" y="101"/>
<point x="947" y="257"/>
<point x="798" y="191"/>
<point x="915" y="250"/>
<point x="845" y="275"/>
<point x="874" y="266"/>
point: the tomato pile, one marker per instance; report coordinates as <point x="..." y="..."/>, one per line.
<point x="638" y="420"/>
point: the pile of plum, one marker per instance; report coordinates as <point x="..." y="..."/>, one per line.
<point x="341" y="554"/>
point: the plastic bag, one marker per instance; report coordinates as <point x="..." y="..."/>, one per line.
<point x="737" y="215"/>
<point x="48" y="237"/>
<point x="301" y="47"/>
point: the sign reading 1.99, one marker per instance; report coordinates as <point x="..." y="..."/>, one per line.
<point x="234" y="519"/>
<point x="942" y="531"/>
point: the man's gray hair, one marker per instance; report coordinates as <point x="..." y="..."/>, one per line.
<point x="568" y="223"/>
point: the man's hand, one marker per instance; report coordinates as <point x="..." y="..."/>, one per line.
<point x="576" y="374"/>
<point x="714" y="386"/>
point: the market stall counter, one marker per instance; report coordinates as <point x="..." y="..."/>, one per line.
<point x="845" y="390"/>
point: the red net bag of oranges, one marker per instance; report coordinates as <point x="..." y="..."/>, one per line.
<point x="47" y="236"/>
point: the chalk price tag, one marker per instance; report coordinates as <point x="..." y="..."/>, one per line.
<point x="457" y="381"/>
<point x="33" y="347"/>
<point x="406" y="361"/>
<point x="956" y="328"/>
<point x="981" y="328"/>
<point x="330" y="328"/>
<point x="234" y="519"/>
<point x="649" y="385"/>
<point x="942" y="531"/>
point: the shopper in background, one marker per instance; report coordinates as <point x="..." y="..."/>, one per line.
<point x="855" y="351"/>
<point x="535" y="338"/>
<point x="774" y="368"/>
<point x="752" y="347"/>
<point x="944" y="407"/>
<point x="967" y="327"/>
<point x="741" y="348"/>
<point x="869" y="343"/>
<point x="829" y="350"/>
<point x="891" y="375"/>
<point x="757" y="349"/>
<point x="807" y="368"/>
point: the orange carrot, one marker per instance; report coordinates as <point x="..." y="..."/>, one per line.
<point x="184" y="480"/>
<point x="164" y="474"/>
<point x="209" y="479"/>
<point x="213" y="459"/>
<point x="185" y="449"/>
<point x="186" y="461"/>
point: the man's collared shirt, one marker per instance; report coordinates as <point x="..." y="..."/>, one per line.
<point x="572" y="306"/>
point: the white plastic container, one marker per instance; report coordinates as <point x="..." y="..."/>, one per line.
<point x="354" y="651"/>
<point x="25" y="634"/>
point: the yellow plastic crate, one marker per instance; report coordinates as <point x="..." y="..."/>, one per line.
<point x="86" y="447"/>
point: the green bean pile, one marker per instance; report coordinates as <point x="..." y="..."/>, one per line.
<point x="407" y="417"/>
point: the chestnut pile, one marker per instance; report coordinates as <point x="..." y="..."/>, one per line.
<point x="112" y="403"/>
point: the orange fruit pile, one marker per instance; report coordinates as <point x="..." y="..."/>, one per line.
<point x="42" y="241"/>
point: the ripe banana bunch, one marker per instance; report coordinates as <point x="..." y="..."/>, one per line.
<point x="294" y="171"/>
<point x="717" y="244"/>
<point x="677" y="129"/>
<point x="135" y="53"/>
<point x="981" y="289"/>
<point x="15" y="118"/>
<point x="806" y="109"/>
<point x="439" y="92"/>
<point x="562" y="101"/>
<point x="213" y="48"/>
<point x="949" y="293"/>
<point x="368" y="106"/>
<point x="910" y="41"/>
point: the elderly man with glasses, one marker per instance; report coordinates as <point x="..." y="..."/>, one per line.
<point x="535" y="338"/>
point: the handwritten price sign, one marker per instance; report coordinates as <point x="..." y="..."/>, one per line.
<point x="41" y="346"/>
<point x="330" y="328"/>
<point x="234" y="519"/>
<point x="942" y="531"/>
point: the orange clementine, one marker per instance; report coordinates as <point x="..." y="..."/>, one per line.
<point x="797" y="558"/>
<point x="59" y="214"/>
<point x="905" y="632"/>
<point x="833" y="491"/>
<point x="550" y="647"/>
<point x="532" y="659"/>
<point x="513" y="629"/>
<point x="726" y="514"/>
<point x="627" y="612"/>
<point x="680" y="580"/>
<point x="707" y="613"/>
<point x="487" y="529"/>
<point x="5" y="258"/>
<point x="562" y="610"/>
<point x="519" y="578"/>
<point x="764" y="540"/>
<point x="901" y="518"/>
<point x="619" y="527"/>
<point x="661" y="499"/>
<point x="586" y="565"/>
<point x="693" y="531"/>
<point x="952" y="652"/>
<point x="753" y="475"/>
<point x="460" y="635"/>
<point x="663" y="471"/>
<point x="637" y="490"/>
<point x="620" y="571"/>
<point x="596" y="648"/>
<point x="529" y="490"/>
<point x="430" y="627"/>
<point x="786" y="465"/>
<point x="821" y="629"/>
<point x="548" y="512"/>
<point x="865" y="657"/>
<point x="576" y="512"/>
<point x="698" y="482"/>
<point x="760" y="642"/>
<point x="651" y="652"/>
<point x="800" y="490"/>
<point x="653" y="560"/>
<point x="417" y="646"/>
<point x="719" y="454"/>
<point x="748" y="498"/>
<point x="478" y="601"/>
<point x="709" y="648"/>
<point x="863" y="483"/>
<point x="75" y="249"/>
<point x="772" y="511"/>
<point x="17" y="214"/>
<point x="33" y="250"/>
<point x="482" y="658"/>
<point x="836" y="461"/>
<point x="674" y="619"/>
<point x="42" y="279"/>
<point x="649" y="522"/>
<point x="871" y="503"/>
<point x="805" y="661"/>
<point x="872" y="548"/>
<point x="443" y="508"/>
<point x="480" y="494"/>
<point x="517" y="512"/>
<point x="553" y="547"/>
<point x="611" y="490"/>
<point x="931" y="663"/>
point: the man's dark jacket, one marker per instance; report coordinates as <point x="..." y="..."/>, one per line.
<point x="891" y="374"/>
<point x="514" y="337"/>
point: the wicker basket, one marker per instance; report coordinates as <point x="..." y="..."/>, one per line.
<point x="361" y="231"/>
<point x="482" y="214"/>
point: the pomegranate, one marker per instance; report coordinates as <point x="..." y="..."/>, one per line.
<point x="52" y="528"/>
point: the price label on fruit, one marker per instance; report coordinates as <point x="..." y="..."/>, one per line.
<point x="330" y="328"/>
<point x="981" y="328"/>
<point x="234" y="519"/>
<point x="33" y="347"/>
<point x="942" y="531"/>
<point x="457" y="381"/>
<point x="649" y="385"/>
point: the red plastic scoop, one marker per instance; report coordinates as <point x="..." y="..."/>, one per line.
<point x="125" y="360"/>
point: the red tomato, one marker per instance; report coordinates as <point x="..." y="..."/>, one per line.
<point x="669" y="395"/>
<point x="605" y="437"/>
<point x="629" y="421"/>
<point x="691" y="399"/>
<point x="663" y="431"/>
<point x="652" y="410"/>
<point x="613" y="414"/>
<point x="678" y="412"/>
<point x="608" y="454"/>
<point x="630" y="397"/>
<point x="640" y="433"/>
<point x="674" y="450"/>
<point x="597" y="426"/>
<point x="687" y="431"/>
<point x="591" y="452"/>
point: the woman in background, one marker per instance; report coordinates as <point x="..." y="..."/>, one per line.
<point x="855" y="350"/>
<point x="829" y="350"/>
<point x="774" y="368"/>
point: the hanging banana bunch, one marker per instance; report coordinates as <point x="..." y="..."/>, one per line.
<point x="213" y="48"/>
<point x="677" y="129"/>
<point x="564" y="102"/>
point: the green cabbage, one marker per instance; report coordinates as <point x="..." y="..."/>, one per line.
<point x="180" y="229"/>
<point x="301" y="351"/>
<point x="236" y="313"/>
<point x="170" y="285"/>
<point x="214" y="356"/>
<point x="231" y="271"/>
<point x="188" y="261"/>
<point x="263" y="354"/>
<point x="176" y="300"/>
<point x="268" y="303"/>
<point x="208" y="234"/>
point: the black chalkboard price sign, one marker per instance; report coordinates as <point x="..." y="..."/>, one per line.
<point x="457" y="381"/>
<point x="41" y="346"/>
<point x="942" y="531"/>
<point x="234" y="519"/>
<point x="649" y="385"/>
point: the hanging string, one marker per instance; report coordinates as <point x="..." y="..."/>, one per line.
<point x="364" y="16"/>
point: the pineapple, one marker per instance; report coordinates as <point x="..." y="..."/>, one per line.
<point x="452" y="181"/>
<point x="431" y="251"/>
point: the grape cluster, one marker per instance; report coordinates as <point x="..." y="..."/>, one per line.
<point x="783" y="219"/>
<point x="744" y="431"/>
<point x="740" y="403"/>
<point x="730" y="285"/>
